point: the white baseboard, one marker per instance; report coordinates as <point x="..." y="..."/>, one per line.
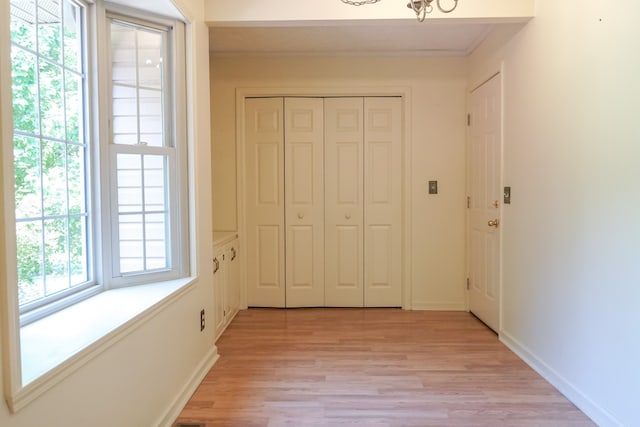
<point x="598" y="414"/>
<point x="173" y="411"/>
<point x="438" y="306"/>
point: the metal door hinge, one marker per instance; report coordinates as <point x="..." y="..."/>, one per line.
<point x="468" y="202"/>
<point x="468" y="282"/>
<point x="468" y="119"/>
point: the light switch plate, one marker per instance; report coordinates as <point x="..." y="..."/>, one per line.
<point x="433" y="187"/>
<point x="507" y="196"/>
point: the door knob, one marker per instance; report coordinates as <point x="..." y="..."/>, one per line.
<point x="300" y="215"/>
<point x="493" y="223"/>
<point x="347" y="215"/>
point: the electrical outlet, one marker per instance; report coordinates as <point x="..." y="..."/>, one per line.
<point x="202" y="320"/>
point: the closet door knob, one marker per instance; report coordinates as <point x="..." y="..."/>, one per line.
<point x="300" y="215"/>
<point x="347" y="215"/>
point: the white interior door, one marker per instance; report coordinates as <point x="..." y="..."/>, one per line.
<point x="264" y="145"/>
<point x="485" y="200"/>
<point x="344" y="209"/>
<point x="304" y="201"/>
<point x="382" y="202"/>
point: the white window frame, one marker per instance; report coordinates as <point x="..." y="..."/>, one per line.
<point x="100" y="159"/>
<point x="174" y="150"/>
<point x="114" y="314"/>
<point x="46" y="305"/>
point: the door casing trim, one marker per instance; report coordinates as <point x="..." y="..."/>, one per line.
<point x="403" y="92"/>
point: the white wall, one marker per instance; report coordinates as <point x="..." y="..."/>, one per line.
<point x="571" y="279"/>
<point x="438" y="132"/>
<point x="134" y="382"/>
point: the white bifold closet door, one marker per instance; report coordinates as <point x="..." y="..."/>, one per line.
<point x="264" y="202"/>
<point x="304" y="202"/>
<point x="324" y="202"/>
<point x="344" y="208"/>
<point x="383" y="202"/>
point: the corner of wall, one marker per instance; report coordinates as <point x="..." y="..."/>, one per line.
<point x="182" y="397"/>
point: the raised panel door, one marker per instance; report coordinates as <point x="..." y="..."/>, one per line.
<point x="382" y="202"/>
<point x="264" y="154"/>
<point x="485" y="201"/>
<point x="344" y="186"/>
<point x="304" y="201"/>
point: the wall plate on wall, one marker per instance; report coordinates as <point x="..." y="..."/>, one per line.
<point x="433" y="187"/>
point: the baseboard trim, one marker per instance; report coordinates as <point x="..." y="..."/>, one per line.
<point x="438" y="306"/>
<point x="598" y="414"/>
<point x="173" y="411"/>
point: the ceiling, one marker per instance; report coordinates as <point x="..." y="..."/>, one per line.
<point x="428" y="38"/>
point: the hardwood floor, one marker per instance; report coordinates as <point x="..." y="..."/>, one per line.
<point x="371" y="367"/>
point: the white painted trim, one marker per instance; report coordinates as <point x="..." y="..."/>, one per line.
<point x="221" y="238"/>
<point x="407" y="188"/>
<point x="22" y="396"/>
<point x="598" y="414"/>
<point x="402" y="91"/>
<point x="241" y="213"/>
<point x="502" y="210"/>
<point x="310" y="54"/>
<point x="169" y="416"/>
<point x="321" y="91"/>
<point x="467" y="190"/>
<point x="438" y="306"/>
<point x="9" y="312"/>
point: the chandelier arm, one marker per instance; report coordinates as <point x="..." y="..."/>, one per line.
<point x="420" y="7"/>
<point x="416" y="6"/>
<point x="423" y="13"/>
<point x="455" y="4"/>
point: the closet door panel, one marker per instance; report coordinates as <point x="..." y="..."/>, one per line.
<point x="383" y="202"/>
<point x="324" y="201"/>
<point x="347" y="259"/>
<point x="264" y="138"/>
<point x="268" y="252"/>
<point x="304" y="201"/>
<point x="343" y="174"/>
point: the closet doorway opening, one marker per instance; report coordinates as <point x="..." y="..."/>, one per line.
<point x="323" y="195"/>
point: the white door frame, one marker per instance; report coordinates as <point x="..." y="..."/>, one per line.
<point x="401" y="91"/>
<point x="488" y="75"/>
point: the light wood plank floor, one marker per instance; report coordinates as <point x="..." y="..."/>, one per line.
<point x="371" y="367"/>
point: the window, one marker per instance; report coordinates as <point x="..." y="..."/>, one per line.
<point x="114" y="185"/>
<point x="53" y="221"/>
<point x="142" y="151"/>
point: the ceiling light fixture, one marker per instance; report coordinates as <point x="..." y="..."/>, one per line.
<point x="420" y="7"/>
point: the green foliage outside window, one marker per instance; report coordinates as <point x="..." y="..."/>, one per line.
<point x="49" y="155"/>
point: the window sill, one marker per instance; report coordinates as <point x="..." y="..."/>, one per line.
<point x="55" y="346"/>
